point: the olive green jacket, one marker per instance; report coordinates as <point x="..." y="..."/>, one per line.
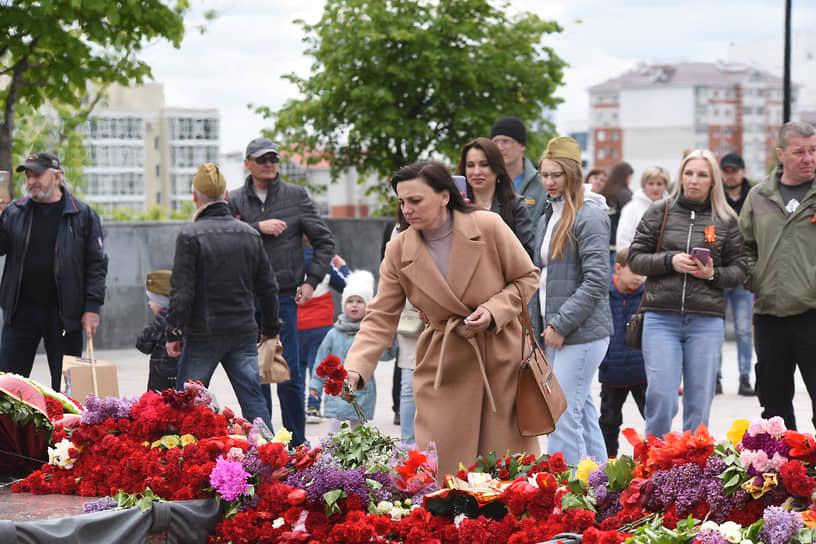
<point x="781" y="250"/>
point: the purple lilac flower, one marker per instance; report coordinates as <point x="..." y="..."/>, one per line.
<point x="779" y="526"/>
<point x="597" y="478"/>
<point x="105" y="503"/>
<point x="98" y="410"/>
<point x="679" y="485"/>
<point x="252" y="462"/>
<point x="610" y="508"/>
<point x="709" y="536"/>
<point x="229" y="479"/>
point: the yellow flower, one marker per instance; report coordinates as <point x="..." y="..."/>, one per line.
<point x="585" y="466"/>
<point x="170" y="441"/>
<point x="146" y="444"/>
<point x="283" y="436"/>
<point x="187" y="439"/>
<point x="738" y="430"/>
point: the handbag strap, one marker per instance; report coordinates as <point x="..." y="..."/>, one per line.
<point x="526" y="326"/>
<point x="659" y="243"/>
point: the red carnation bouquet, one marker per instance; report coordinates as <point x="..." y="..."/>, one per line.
<point x="332" y="370"/>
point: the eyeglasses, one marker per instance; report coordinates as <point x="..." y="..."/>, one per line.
<point x="553" y="175"/>
<point x="501" y="142"/>
<point x="264" y="160"/>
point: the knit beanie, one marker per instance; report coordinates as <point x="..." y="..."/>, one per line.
<point x="510" y="126"/>
<point x="359" y="283"/>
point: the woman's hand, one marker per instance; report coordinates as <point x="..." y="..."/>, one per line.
<point x="704" y="271"/>
<point x="552" y="338"/>
<point x="686" y="264"/>
<point x="479" y="320"/>
<point x="353" y="379"/>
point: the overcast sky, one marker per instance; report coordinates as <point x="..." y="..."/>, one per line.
<point x="240" y="58"/>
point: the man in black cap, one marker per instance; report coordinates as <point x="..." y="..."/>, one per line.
<point x="736" y="187"/>
<point x="54" y="279"/>
<point x="510" y="135"/>
<point x="283" y="213"/>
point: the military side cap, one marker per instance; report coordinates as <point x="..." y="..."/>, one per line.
<point x="210" y="181"/>
<point x="158" y="282"/>
<point x="563" y="147"/>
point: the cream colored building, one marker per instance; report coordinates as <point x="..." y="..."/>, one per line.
<point x="142" y="152"/>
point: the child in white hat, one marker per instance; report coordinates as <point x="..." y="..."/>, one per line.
<point x="357" y="294"/>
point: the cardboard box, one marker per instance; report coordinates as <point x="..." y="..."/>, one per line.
<point x="78" y="381"/>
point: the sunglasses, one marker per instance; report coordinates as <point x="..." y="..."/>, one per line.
<point x="264" y="160"/>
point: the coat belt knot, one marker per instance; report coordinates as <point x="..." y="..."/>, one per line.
<point x="456" y="325"/>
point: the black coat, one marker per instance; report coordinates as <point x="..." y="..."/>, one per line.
<point x="80" y="262"/>
<point x="219" y="268"/>
<point x="670" y="291"/>
<point x="289" y="203"/>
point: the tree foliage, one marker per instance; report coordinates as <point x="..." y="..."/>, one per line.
<point x="395" y="81"/>
<point x="52" y="50"/>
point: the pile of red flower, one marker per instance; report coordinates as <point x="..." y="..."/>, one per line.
<point x="166" y="441"/>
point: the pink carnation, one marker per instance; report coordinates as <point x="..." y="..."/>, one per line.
<point x="777" y="461"/>
<point x="235" y="454"/>
<point x="757" y="426"/>
<point x="229" y="479"/>
<point x="776" y="427"/>
<point x="757" y="458"/>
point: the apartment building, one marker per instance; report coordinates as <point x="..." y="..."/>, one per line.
<point x="651" y="114"/>
<point x="142" y="152"/>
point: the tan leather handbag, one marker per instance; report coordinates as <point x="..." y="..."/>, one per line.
<point x="540" y="401"/>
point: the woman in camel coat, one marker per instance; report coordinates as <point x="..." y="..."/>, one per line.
<point x="457" y="266"/>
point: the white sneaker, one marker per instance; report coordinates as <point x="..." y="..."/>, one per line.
<point x="313" y="415"/>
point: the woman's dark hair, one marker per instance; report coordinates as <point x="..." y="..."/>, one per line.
<point x="438" y="178"/>
<point x="617" y="183"/>
<point x="504" y="185"/>
<point x="594" y="172"/>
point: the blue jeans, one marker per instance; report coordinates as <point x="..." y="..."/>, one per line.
<point x="308" y="341"/>
<point x="680" y="346"/>
<point x="291" y="393"/>
<point x="239" y="357"/>
<point x="742" y="304"/>
<point x="407" y="407"/>
<point x="577" y="433"/>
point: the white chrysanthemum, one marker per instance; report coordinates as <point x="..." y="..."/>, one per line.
<point x="59" y="456"/>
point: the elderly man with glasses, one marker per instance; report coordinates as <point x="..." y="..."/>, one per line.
<point x="283" y="213"/>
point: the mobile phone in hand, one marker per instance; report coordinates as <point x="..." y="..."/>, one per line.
<point x="461" y="184"/>
<point x="702" y="254"/>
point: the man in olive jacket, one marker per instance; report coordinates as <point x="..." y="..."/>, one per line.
<point x="283" y="213"/>
<point x="778" y="222"/>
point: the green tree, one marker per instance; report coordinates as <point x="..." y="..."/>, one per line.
<point x="395" y="81"/>
<point x="53" y="50"/>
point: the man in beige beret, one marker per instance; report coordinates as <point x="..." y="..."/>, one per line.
<point x="219" y="269"/>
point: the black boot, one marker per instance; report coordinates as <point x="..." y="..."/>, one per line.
<point x="745" y="388"/>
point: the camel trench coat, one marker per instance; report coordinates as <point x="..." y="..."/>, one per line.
<point x="464" y="384"/>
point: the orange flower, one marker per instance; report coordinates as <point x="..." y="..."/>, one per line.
<point x="813" y="219"/>
<point x="710" y="235"/>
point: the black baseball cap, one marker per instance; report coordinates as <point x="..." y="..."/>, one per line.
<point x="40" y="162"/>
<point x="733" y="160"/>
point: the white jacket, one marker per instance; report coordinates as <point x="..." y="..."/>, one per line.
<point x="630" y="217"/>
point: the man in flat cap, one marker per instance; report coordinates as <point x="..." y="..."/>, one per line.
<point x="220" y="268"/>
<point x="283" y="213"/>
<point x="54" y="279"/>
